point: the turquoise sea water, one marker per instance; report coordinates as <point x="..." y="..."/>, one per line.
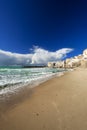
<point x="12" y="78"/>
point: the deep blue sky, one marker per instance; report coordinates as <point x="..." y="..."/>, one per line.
<point x="50" y="24"/>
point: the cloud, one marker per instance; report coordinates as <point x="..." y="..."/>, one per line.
<point x="37" y="56"/>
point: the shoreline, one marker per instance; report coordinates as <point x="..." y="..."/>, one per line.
<point x="14" y="88"/>
<point x="10" y="100"/>
<point x="59" y="104"/>
<point x="9" y="92"/>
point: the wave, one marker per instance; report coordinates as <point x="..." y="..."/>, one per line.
<point x="14" y="79"/>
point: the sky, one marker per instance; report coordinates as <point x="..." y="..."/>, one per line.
<point x="28" y="27"/>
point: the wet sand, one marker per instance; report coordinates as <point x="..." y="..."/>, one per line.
<point x="58" y="104"/>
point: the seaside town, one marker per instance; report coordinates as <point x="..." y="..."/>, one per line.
<point x="76" y="61"/>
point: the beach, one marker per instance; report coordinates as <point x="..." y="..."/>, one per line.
<point x="57" y="104"/>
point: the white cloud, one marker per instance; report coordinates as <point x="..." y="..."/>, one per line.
<point x="37" y="56"/>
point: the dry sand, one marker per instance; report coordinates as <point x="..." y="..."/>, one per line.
<point x="58" y="104"/>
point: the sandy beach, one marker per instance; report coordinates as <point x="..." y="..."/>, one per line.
<point x="58" y="104"/>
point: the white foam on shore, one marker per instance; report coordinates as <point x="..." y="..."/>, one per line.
<point x="6" y="92"/>
<point x="33" y="81"/>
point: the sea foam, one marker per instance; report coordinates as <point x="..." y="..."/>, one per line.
<point x="13" y="79"/>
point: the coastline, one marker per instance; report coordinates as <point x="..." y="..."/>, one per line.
<point x="59" y="103"/>
<point x="15" y="84"/>
<point x="9" y="99"/>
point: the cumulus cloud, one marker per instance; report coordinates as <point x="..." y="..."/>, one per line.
<point x="37" y="56"/>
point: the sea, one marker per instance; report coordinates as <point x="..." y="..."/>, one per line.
<point x="12" y="79"/>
